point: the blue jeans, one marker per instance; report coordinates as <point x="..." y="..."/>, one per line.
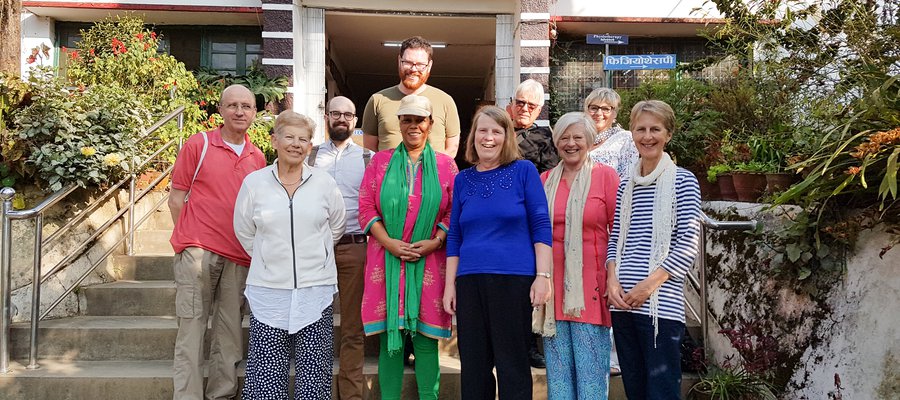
<point x="648" y="372"/>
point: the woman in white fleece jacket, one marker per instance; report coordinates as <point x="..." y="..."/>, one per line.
<point x="288" y="216"/>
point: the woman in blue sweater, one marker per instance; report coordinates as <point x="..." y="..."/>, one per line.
<point x="498" y="260"/>
<point x="654" y="241"/>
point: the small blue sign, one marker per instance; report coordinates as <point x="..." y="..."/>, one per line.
<point x="639" y="61"/>
<point x="593" y="38"/>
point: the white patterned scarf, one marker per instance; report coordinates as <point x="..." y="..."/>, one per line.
<point x="573" y="289"/>
<point x="663" y="221"/>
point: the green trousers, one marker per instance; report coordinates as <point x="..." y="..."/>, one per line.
<point x="428" y="370"/>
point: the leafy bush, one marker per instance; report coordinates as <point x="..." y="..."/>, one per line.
<point x="266" y="89"/>
<point x="696" y="122"/>
<point x="80" y="137"/>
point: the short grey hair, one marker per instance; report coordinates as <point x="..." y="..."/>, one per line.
<point x="531" y="86"/>
<point x="575" y="118"/>
<point x="606" y="95"/>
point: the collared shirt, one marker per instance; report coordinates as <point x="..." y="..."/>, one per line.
<point x="346" y="166"/>
<point x="536" y="145"/>
<point x="206" y="219"/>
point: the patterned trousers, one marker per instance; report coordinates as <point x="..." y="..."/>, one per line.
<point x="269" y="355"/>
<point x="577" y="362"/>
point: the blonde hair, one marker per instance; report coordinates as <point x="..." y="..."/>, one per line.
<point x="603" y="95"/>
<point x="575" y="118"/>
<point x="657" y="108"/>
<point x="289" y="118"/>
<point x="510" y="150"/>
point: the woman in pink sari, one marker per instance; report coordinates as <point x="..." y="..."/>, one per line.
<point x="404" y="204"/>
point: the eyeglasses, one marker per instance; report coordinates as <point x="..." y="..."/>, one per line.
<point x="524" y="104"/>
<point x="243" y="107"/>
<point x="604" y="109"/>
<point x="337" y="115"/>
<point x="413" y="65"/>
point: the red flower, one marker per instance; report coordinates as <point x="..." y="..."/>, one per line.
<point x="140" y="36"/>
<point x="118" y="46"/>
<point x="91" y="51"/>
<point x="74" y="55"/>
<point x="153" y="35"/>
<point x="31" y="59"/>
<point x="202" y="103"/>
<point x="146" y="46"/>
<point x="166" y="86"/>
<point x="35" y="51"/>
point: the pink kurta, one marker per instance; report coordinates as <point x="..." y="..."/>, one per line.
<point x="599" y="211"/>
<point x="433" y="321"/>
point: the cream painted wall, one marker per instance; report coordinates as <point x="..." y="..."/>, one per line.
<point x="458" y="6"/>
<point x="193" y="3"/>
<point x="633" y="8"/>
<point x="36" y="30"/>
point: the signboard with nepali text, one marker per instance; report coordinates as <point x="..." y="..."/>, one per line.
<point x="639" y="61"/>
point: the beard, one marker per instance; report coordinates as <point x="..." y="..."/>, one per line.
<point x="409" y="81"/>
<point x="339" y="131"/>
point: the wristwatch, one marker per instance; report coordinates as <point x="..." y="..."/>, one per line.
<point x="544" y="274"/>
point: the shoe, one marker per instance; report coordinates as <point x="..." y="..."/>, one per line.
<point x="613" y="371"/>
<point x="536" y="359"/>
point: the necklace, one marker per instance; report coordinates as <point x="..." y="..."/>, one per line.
<point x="292" y="184"/>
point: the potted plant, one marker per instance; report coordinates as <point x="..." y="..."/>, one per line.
<point x="721" y="174"/>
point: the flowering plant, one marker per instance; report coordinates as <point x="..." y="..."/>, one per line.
<point x="84" y="136"/>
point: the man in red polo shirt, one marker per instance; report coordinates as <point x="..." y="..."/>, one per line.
<point x="210" y="264"/>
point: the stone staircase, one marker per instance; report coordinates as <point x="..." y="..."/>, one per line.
<point x="121" y="345"/>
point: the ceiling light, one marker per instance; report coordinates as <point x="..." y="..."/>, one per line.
<point x="398" y="44"/>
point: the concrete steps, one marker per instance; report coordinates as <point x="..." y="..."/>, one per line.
<point x="122" y="345"/>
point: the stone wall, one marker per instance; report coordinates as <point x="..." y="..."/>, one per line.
<point x="838" y="335"/>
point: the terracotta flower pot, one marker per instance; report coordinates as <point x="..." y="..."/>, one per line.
<point x="726" y="187"/>
<point x="708" y="190"/>
<point x="749" y="186"/>
<point x="780" y="181"/>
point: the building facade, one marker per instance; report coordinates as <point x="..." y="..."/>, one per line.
<point x="348" y="47"/>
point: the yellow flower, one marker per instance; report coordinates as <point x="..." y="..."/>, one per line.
<point x="88" y="151"/>
<point x="112" y="159"/>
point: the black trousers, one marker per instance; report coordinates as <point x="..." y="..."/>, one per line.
<point x="493" y="317"/>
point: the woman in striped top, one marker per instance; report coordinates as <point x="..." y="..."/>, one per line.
<point x="654" y="241"/>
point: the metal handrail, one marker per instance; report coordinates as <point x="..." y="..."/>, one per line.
<point x="37" y="213"/>
<point x="701" y="286"/>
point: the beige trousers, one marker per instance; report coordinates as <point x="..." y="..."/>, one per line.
<point x="206" y="281"/>
<point x="351" y="260"/>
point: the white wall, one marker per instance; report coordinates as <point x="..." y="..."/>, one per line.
<point x="36" y="30"/>
<point x="852" y="329"/>
<point x="633" y="8"/>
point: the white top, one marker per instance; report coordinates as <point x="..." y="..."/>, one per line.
<point x="346" y="166"/>
<point x="290" y="239"/>
<point x="238" y="148"/>
<point x="289" y="309"/>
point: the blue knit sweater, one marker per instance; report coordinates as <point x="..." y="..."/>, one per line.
<point x="497" y="217"/>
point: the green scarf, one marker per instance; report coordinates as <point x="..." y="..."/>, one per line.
<point x="394" y="204"/>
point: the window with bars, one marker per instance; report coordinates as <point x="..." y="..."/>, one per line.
<point x="576" y="68"/>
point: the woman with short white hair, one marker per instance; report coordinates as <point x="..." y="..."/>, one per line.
<point x="581" y="196"/>
<point x="288" y="217"/>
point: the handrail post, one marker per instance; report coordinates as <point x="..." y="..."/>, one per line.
<point x="129" y="244"/>
<point x="6" y="194"/>
<point x="704" y="306"/>
<point x="36" y="292"/>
